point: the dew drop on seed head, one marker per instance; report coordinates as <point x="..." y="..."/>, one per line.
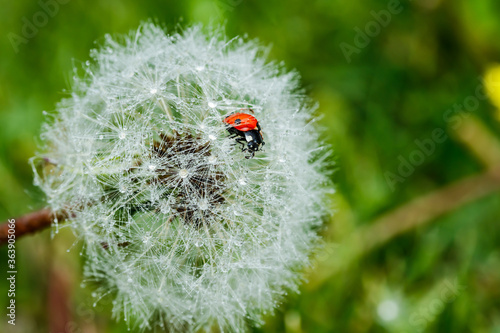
<point x="183" y="173"/>
<point x="212" y="104"/>
<point x="165" y="208"/>
<point x="122" y="188"/>
<point x="203" y="204"/>
<point x="122" y="135"/>
<point x="129" y="73"/>
<point x="152" y="167"/>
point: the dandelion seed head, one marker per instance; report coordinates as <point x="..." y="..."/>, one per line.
<point x="180" y="231"/>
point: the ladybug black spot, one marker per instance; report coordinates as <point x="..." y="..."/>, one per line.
<point x="237" y="121"/>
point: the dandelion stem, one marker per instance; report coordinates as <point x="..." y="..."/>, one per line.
<point x="30" y="223"/>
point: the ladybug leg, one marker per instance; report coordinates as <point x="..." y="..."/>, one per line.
<point x="251" y="155"/>
<point x="242" y="142"/>
<point x="242" y="147"/>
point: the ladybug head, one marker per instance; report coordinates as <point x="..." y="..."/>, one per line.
<point x="253" y="146"/>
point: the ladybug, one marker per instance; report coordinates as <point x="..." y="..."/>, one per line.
<point x="246" y="130"/>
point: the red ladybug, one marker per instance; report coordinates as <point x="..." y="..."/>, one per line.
<point x="246" y="129"/>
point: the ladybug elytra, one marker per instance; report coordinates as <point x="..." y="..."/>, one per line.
<point x="246" y="130"/>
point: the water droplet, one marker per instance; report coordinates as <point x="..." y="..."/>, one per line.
<point x="153" y="91"/>
<point x="203" y="204"/>
<point x="212" y="160"/>
<point x="242" y="181"/>
<point x="152" y="167"/>
<point x="212" y="104"/>
<point x="122" y="135"/>
<point x="129" y="280"/>
<point x="101" y="137"/>
<point x="199" y="68"/>
<point x="165" y="208"/>
<point x="122" y="188"/>
<point x="183" y="173"/>
<point x="129" y="73"/>
<point x="198" y="243"/>
<point x="212" y="137"/>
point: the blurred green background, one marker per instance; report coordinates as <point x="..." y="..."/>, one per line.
<point x="399" y="83"/>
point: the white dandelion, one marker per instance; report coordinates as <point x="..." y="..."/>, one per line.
<point x="178" y="227"/>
